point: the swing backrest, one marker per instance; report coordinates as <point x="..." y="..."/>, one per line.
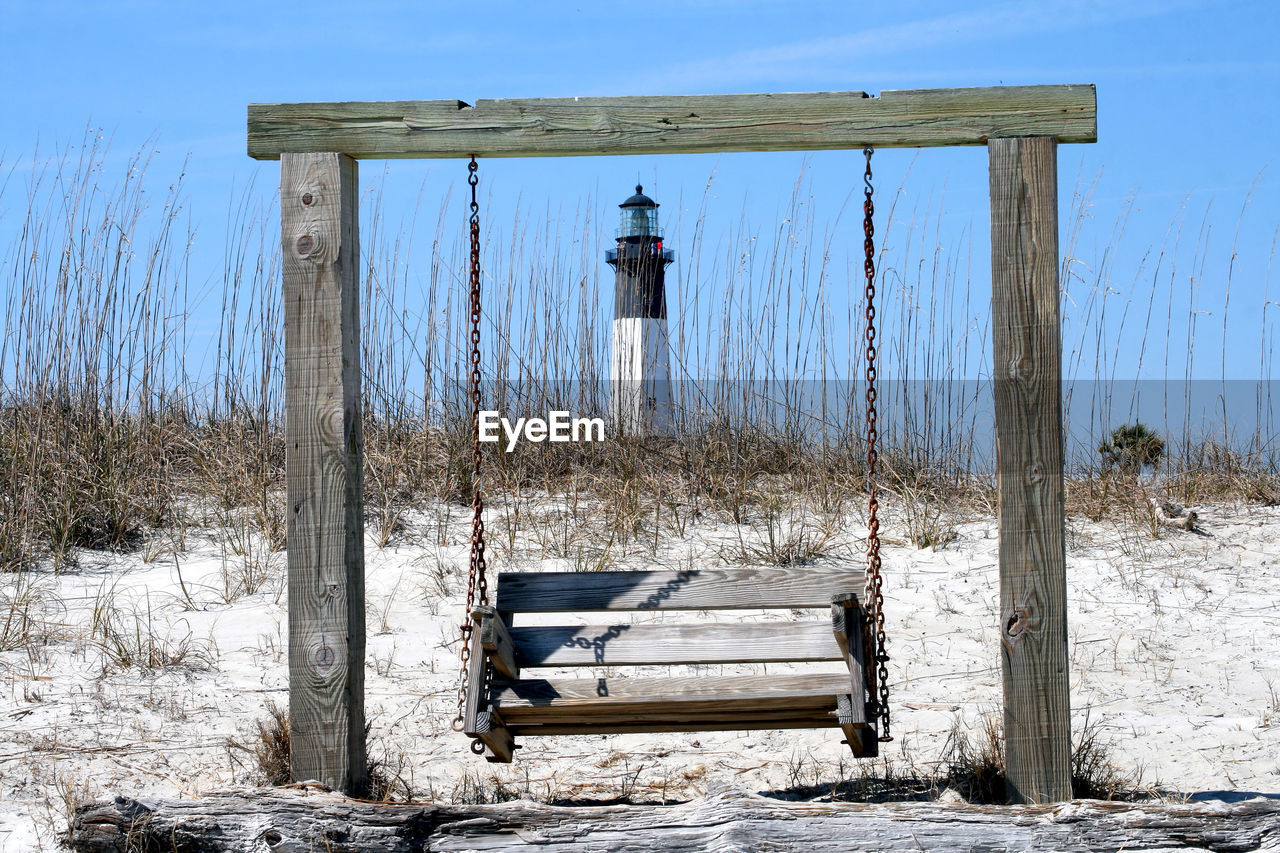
<point x="715" y="589"/>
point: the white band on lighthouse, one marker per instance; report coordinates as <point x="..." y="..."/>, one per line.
<point x="641" y="400"/>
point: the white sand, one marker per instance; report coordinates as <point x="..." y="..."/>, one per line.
<point x="1175" y="652"/>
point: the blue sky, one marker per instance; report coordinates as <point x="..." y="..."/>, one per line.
<point x="1187" y="93"/>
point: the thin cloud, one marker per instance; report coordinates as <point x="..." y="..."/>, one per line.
<point x="992" y="23"/>
<point x="1070" y="73"/>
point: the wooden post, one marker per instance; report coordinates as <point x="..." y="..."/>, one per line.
<point x="321" y="255"/>
<point x="1027" y="373"/>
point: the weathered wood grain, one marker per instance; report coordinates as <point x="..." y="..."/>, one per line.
<point x="862" y="738"/>
<point x="847" y="631"/>
<point x="477" y="678"/>
<point x="498" y="646"/>
<point x="638" y="645"/>
<point x="724" y="713"/>
<point x="534" y="698"/>
<point x="292" y="821"/>
<point x="1027" y="379"/>
<point x="478" y="718"/>
<point x="321" y="258"/>
<point x="499" y="742"/>
<point x="693" y="589"/>
<point x="709" y="722"/>
<point x="680" y="124"/>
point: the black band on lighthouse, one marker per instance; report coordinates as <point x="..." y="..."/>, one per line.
<point x="640" y="262"/>
<point x="639" y="286"/>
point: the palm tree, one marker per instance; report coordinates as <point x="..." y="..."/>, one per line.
<point x="1132" y="448"/>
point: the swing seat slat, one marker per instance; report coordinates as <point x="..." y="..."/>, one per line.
<point x="642" y="645"/>
<point x="527" y="698"/>
<point x="763" y="588"/>
<point x="532" y="707"/>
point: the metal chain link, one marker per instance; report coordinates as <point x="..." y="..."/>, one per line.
<point x="477" y="583"/>
<point x="877" y="675"/>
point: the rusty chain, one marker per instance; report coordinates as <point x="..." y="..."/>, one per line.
<point x="477" y="583"/>
<point x="877" y="671"/>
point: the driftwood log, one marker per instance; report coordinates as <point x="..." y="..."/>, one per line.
<point x="290" y="821"/>
<point x="1171" y="514"/>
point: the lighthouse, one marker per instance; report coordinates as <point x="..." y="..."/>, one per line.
<point x="640" y="367"/>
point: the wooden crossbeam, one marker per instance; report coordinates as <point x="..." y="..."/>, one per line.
<point x="680" y="124"/>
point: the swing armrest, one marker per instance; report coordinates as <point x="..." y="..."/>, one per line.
<point x="496" y="642"/>
<point x="847" y="623"/>
<point x="487" y="647"/>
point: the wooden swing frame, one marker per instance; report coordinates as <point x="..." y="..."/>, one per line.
<point x="318" y="145"/>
